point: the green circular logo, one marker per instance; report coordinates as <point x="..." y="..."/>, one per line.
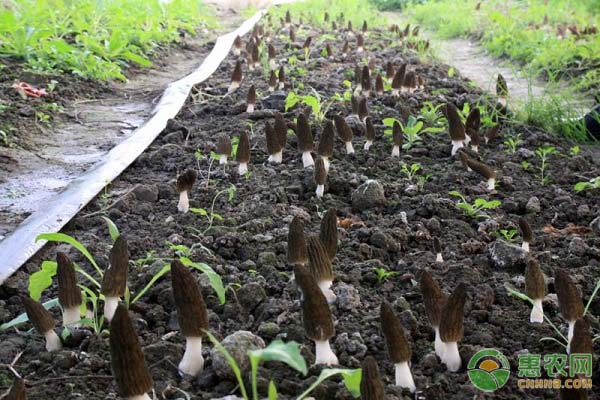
<point x="488" y="370"/>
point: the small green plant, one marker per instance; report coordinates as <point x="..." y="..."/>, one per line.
<point x="475" y="210"/>
<point x="544" y="153"/>
<point x="509" y="235"/>
<point x="411" y="171"/>
<point x="288" y="353"/>
<point x="383" y="274"/>
<point x="574" y="151"/>
<point x="512" y="144"/>
<point x="318" y="105"/>
<point x="212" y="215"/>
<point x="591" y="184"/>
<point x="432" y="116"/>
<point x="413" y="131"/>
<point x="525" y="165"/>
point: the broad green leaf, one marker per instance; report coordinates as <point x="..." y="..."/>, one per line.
<point x="389" y="121"/>
<point x="215" y="280"/>
<point x="42" y="279"/>
<point x="272" y="391"/>
<point x="112" y="229"/>
<point x="351" y="377"/>
<point x="23" y="317"/>
<point x="277" y="350"/>
<point x="199" y="211"/>
<point x="64" y="238"/>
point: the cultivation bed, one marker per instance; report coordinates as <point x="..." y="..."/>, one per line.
<point x="248" y="246"/>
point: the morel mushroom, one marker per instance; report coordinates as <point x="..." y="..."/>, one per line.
<point x="251" y="99"/>
<point x="237" y="46"/>
<point x="185" y="182"/>
<point x="434" y="300"/>
<point x="236" y="77"/>
<point x="272" y="57"/>
<point x="281" y="130"/>
<point x="389" y="71"/>
<point x="360" y="41"/>
<point x="472" y="128"/>
<point x="398" y="139"/>
<point x="456" y="128"/>
<point x="191" y="315"/>
<point x="345" y="48"/>
<point x="484" y="170"/>
<point x="328" y="51"/>
<point x="370" y="133"/>
<point x="320" y="267"/>
<point x="526" y="232"/>
<point x="364" y="26"/>
<point x="501" y="90"/>
<point x="569" y="299"/>
<point x="243" y="153"/>
<point x="371" y="385"/>
<point x="437" y="248"/>
<point x="316" y="315"/>
<point x="69" y="294"/>
<point x="363" y="109"/>
<point x="297" y="253"/>
<point x="365" y="81"/>
<point x="320" y="177"/>
<point x="397" y="345"/>
<point x="272" y="81"/>
<point x="410" y="82"/>
<point x="358" y="78"/>
<point x="328" y="233"/>
<point x="581" y="343"/>
<point x="398" y="80"/>
<point x="128" y="363"/>
<point x="379" y="85"/>
<point x="273" y="145"/>
<point x="17" y="391"/>
<point x="223" y="148"/>
<point x="305" y="141"/>
<point x="535" y="288"/>
<point x="42" y="322"/>
<point x="344" y="132"/>
<point x="114" y="282"/>
<point x="326" y="143"/>
<point x="451" y="327"/>
<point x="281" y="77"/>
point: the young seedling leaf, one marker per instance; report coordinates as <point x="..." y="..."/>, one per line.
<point x="112" y="228"/>
<point x="288" y="353"/>
<point x="64" y="238"/>
<point x="42" y="279"/>
<point x="351" y="377"/>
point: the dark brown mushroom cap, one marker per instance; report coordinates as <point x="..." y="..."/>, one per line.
<point x="305" y="137"/>
<point x="395" y="339"/>
<point x="492" y="133"/>
<point x="224" y="144"/>
<point x="316" y="315"/>
<point x="307" y="43"/>
<point x="370" y="129"/>
<point x="296" y="248"/>
<point x="399" y="77"/>
<point x="191" y="309"/>
<point x="456" y="127"/>
<point x="526" y="230"/>
<point x="397" y="135"/>
<point x="433" y="298"/>
<point x="320" y="171"/>
<point x="69" y="294"/>
<point x="481" y="168"/>
<point x="346" y="46"/>
<point x="364" y="26"/>
<point x="501" y="86"/>
<point x="292" y="34"/>
<point x="255" y="56"/>
<point x="115" y="276"/>
<point x="350" y="25"/>
<point x="569" y="299"/>
<point x="17" y="391"/>
<point x="319" y="261"/>
<point x="406" y="30"/>
<point x="243" y="150"/>
<point x="451" y="324"/>
<point x="328" y="50"/>
<point x="389" y="70"/>
<point x="281" y="129"/>
<point x="281" y="74"/>
<point x="343" y="129"/>
<point x="272" y="79"/>
<point x="40" y="318"/>
<point x="128" y="363"/>
<point x="328" y="232"/>
<point x="365" y="79"/>
<point x="236" y="76"/>
<point x="326" y="142"/>
<point x="371" y="385"/>
<point x="472" y="125"/>
<point x="581" y="343"/>
<point x="251" y="98"/>
<point x="237" y="42"/>
<point x="186" y="180"/>
<point x="273" y="145"/>
<point x="363" y="108"/>
<point x="535" y="287"/>
<point x="354" y="103"/>
<point x="360" y="41"/>
<point x="437" y="245"/>
<point x="357" y="74"/>
<point x="410" y="79"/>
<point x="379" y="83"/>
<point x="272" y="51"/>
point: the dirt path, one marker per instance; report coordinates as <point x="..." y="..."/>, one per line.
<point x="74" y="145"/>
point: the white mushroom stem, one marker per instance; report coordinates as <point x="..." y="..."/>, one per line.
<point x="192" y="362"/>
<point x="360" y="49"/>
<point x="271" y="88"/>
<point x="439" y="258"/>
<point x="273" y="63"/>
<point x="491" y="184"/>
<point x="323" y="353"/>
<point x="251" y="66"/>
<point x="222" y="159"/>
<point x="140" y="397"/>
<point x="366" y="93"/>
<point x="570" y="334"/>
<point x="276" y="158"/>
<point x="359" y="87"/>
<point x="404" y="377"/>
<point x="368" y="145"/>
<point x="349" y="148"/>
<point x="456" y="144"/>
<point x="53" y="342"/>
<point x="326" y="162"/>
<point x="475" y="149"/>
<point x="325" y="287"/>
<point x="250" y="108"/>
<point x="537" y="312"/>
<point x="380" y="92"/>
<point x="243" y="168"/>
<point x="234" y="85"/>
<point x="396" y="151"/>
<point x="110" y="306"/>
<point x="236" y="51"/>
<point x="307" y="160"/>
<point x="525" y="246"/>
<point x="71" y="316"/>
<point x="467" y="140"/>
<point x="395" y="92"/>
<point x="438" y="345"/>
<point x="451" y="356"/>
<point x="184" y="202"/>
<point x="502" y="101"/>
<point x="281" y="85"/>
<point x="320" y="190"/>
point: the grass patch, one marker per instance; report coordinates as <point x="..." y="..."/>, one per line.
<point x="313" y="11"/>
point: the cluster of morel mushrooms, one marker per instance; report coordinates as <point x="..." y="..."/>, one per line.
<point x="311" y="257"/>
